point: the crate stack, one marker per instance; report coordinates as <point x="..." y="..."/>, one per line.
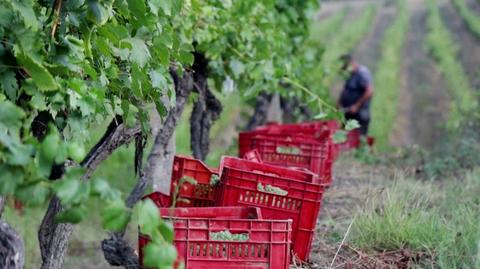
<point x="271" y="196"/>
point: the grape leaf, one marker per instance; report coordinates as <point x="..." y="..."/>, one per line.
<point x="33" y="194"/>
<point x="72" y="215"/>
<point x="10" y="177"/>
<point x="101" y="188"/>
<point x="186" y="57"/>
<point x="158" y="79"/>
<point x="97" y="12"/>
<point x="40" y="75"/>
<point x="148" y="217"/>
<point x="237" y="67"/>
<point x="115" y="216"/>
<point x="139" y="53"/>
<point x="340" y="136"/>
<point x="155" y="6"/>
<point x="138" y="8"/>
<point x="166" y="229"/>
<point x="67" y="189"/>
<point x="159" y="254"/>
<point x="26" y="13"/>
<point x="351" y="125"/>
<point x="10" y="115"/>
<point x="9" y="84"/>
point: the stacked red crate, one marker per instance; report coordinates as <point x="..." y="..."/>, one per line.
<point x="282" y="148"/>
<point x="265" y="243"/>
<point x="280" y="193"/>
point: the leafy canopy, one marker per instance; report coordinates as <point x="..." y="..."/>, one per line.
<point x="82" y="62"/>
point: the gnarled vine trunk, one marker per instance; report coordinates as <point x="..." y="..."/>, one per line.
<point x="115" y="249"/>
<point x="294" y="110"/>
<point x="53" y="237"/>
<point x="205" y="112"/>
<point x="12" y="251"/>
<point x="259" y="117"/>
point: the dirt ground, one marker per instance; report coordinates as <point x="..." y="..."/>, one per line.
<point x="354" y="185"/>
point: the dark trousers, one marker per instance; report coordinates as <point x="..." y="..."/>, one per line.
<point x="363" y="120"/>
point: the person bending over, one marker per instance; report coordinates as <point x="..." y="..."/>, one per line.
<point x="357" y="93"/>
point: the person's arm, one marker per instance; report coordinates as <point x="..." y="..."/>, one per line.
<point x="366" y="95"/>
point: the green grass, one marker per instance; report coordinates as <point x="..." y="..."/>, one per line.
<point x="441" y="220"/>
<point x="387" y="78"/>
<point x="445" y="51"/>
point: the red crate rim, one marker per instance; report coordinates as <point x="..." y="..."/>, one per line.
<point x="227" y="161"/>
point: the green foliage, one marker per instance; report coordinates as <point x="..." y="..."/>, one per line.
<point x="387" y="78"/>
<point x="89" y="62"/>
<point x="469" y="16"/>
<point x="159" y="252"/>
<point x="443" y="48"/>
<point x="457" y="152"/>
<point x="85" y="67"/>
<point x="340" y="136"/>
<point x="351" y="125"/>
<point x="251" y="43"/>
<point x="115" y="216"/>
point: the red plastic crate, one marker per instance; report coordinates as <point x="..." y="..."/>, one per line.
<point x="301" y="202"/>
<point x="292" y="150"/>
<point x="201" y="194"/>
<point x="268" y="244"/>
<point x="159" y="199"/>
<point x="314" y="128"/>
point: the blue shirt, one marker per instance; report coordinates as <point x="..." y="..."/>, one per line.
<point x="355" y="87"/>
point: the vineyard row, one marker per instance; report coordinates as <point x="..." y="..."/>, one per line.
<point x="443" y="49"/>
<point x="387" y="77"/>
